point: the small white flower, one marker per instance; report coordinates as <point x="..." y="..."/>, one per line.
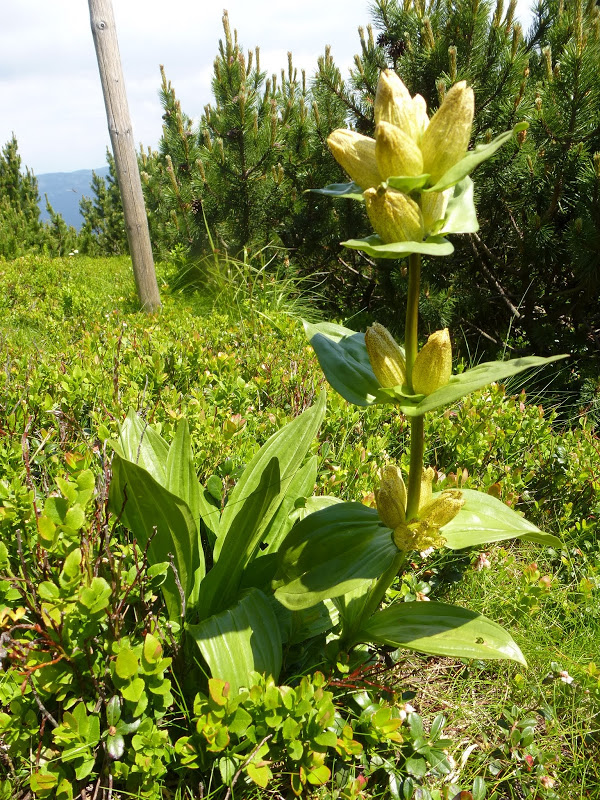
<point x="427" y="553"/>
<point x="565" y="677"/>
<point x="482" y="562"/>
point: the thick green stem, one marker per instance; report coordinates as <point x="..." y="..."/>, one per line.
<point x="411" y="345"/>
<point x="417" y="447"/>
<point x="372" y="601"/>
<point x="411" y="331"/>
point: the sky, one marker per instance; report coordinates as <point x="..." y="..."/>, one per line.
<point x="50" y="93"/>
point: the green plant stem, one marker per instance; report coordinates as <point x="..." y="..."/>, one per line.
<point x="415" y="470"/>
<point x="411" y="330"/>
<point x="352" y="635"/>
<point x="411" y="344"/>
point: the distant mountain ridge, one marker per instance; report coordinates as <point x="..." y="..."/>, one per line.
<point x="65" y="190"/>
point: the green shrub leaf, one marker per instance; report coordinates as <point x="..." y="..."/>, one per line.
<point x="126" y="664"/>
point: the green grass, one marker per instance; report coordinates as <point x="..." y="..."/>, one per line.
<point x="77" y="355"/>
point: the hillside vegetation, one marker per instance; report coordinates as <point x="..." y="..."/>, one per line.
<point x="77" y="358"/>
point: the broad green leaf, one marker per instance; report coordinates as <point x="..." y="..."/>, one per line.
<point x="140" y="443"/>
<point x="134" y="690"/>
<point x="113" y="711"/>
<point x="375" y="246"/>
<point x="289" y="446"/>
<point x="351" y="604"/>
<point x="240" y="640"/>
<point x="182" y="481"/>
<point x="440" y="629"/>
<point x="344" y="359"/>
<point x="75" y="517"/>
<point x="71" y="567"/>
<point x="253" y="503"/>
<point x="86" y="486"/>
<point x="96" y="596"/>
<point x="473" y="158"/>
<point x="222" y="585"/>
<point x="260" y="773"/>
<point x="150" y="511"/>
<point x="318" y="775"/>
<point x="332" y="552"/>
<point x="126" y="665"/>
<point x="484" y="519"/>
<point x="350" y="190"/>
<point x="153" y="649"/>
<point x="259" y="573"/>
<point x="309" y="622"/>
<point x="407" y="184"/>
<point x="227" y="767"/>
<point x="115" y="746"/>
<point x="48" y="591"/>
<point x="180" y="475"/>
<point x="461" y="216"/>
<point x="312" y="504"/>
<point x="42" y="781"/>
<point x="466" y="382"/>
<point x="302" y="486"/>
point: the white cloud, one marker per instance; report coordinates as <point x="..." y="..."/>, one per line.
<point x="50" y="92"/>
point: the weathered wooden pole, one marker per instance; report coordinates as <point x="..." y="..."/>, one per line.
<point x="121" y="137"/>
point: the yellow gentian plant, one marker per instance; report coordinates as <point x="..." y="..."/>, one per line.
<point x="413" y="177"/>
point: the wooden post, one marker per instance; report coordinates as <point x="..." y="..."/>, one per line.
<point x="121" y="137"/>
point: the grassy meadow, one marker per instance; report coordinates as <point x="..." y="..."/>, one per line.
<point x="76" y="357"/>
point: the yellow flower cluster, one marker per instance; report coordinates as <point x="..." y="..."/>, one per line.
<point x="432" y="368"/>
<point x="407" y="144"/>
<point x="423" y="532"/>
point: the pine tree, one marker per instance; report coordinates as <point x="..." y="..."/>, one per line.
<point x="534" y="268"/>
<point x="20" y="226"/>
<point x="240" y="176"/>
<point x="103" y="230"/>
<point x="59" y="239"/>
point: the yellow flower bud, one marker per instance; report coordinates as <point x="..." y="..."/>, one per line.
<point x="356" y="154"/>
<point x="426" y="492"/>
<point x="396" y="152"/>
<point x="394" y="104"/>
<point x="433" y="207"/>
<point x="391" y="497"/>
<point x="425" y="531"/>
<point x="394" y="215"/>
<point x="446" y="138"/>
<point x="386" y="357"/>
<point x="443" y="509"/>
<point x="420" y="115"/>
<point x="417" y="536"/>
<point x="433" y="365"/>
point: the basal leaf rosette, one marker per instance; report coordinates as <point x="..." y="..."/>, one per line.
<point x="413" y="176"/>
